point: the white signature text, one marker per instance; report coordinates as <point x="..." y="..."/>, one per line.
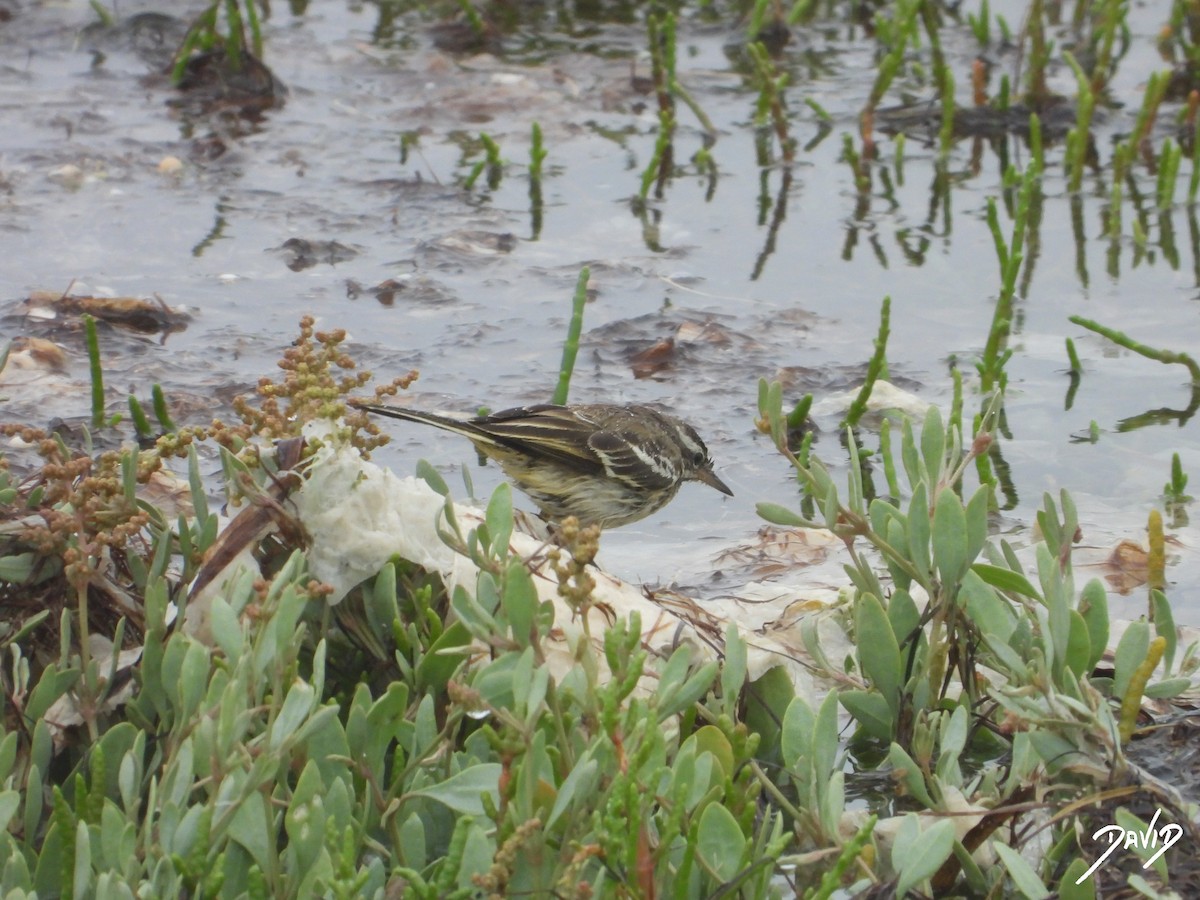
<point x="1169" y="834"/>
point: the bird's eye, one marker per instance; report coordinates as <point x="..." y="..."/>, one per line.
<point x="698" y="458"/>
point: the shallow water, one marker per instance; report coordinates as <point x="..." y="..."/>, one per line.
<point x="753" y="274"/>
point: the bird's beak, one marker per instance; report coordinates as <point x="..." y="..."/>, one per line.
<point x="709" y="477"/>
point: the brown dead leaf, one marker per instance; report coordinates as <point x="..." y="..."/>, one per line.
<point x="37" y="353"/>
<point x="708" y="332"/>
<point x="797" y="611"/>
<point x="413" y="290"/>
<point x="146" y="316"/>
<point x="264" y="514"/>
<point x="653" y="359"/>
<point x="385" y="292"/>
<point x="169" y="493"/>
<point x="1126" y="566"/>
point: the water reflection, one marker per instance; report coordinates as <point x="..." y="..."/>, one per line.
<point x="1164" y="415"/>
<point x="778" y="211"/>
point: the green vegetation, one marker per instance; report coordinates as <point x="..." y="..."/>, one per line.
<point x="876" y="369"/>
<point x="188" y="709"/>
<point x="207" y="35"/>
<point x="491" y="163"/>
<point x="96" y="371"/>
<point x="176" y="725"/>
<point x="537" y="155"/>
<point x="571" y="344"/>
<point x="771" y="111"/>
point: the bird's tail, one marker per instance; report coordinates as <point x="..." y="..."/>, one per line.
<point x="447" y="423"/>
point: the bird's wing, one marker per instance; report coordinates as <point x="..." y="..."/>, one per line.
<point x="545" y="431"/>
<point x="586" y="438"/>
<point x="640" y="465"/>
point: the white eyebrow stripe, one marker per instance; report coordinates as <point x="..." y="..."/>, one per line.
<point x="688" y="441"/>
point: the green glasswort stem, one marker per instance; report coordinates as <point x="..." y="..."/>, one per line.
<point x="571" y="347"/>
<point x="93" y="349"/>
<point x="655" y="170"/>
<point x="1073" y="358"/>
<point x="875" y="368"/>
<point x="946" y="133"/>
<point x="1123" y="340"/>
<point x="537" y="153"/>
<point x="799" y="414"/>
<point x="160" y="408"/>
<point x="141" y="425"/>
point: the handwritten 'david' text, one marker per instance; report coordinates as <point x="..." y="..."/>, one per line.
<point x="1148" y="838"/>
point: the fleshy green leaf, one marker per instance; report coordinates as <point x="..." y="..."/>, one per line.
<point x="1164" y="625"/>
<point x="519" y="599"/>
<point x="500" y="519"/>
<point x="949" y="537"/>
<point x="296" y="706"/>
<point x="16" y="568"/>
<point x="1079" y="646"/>
<point x="796" y="737"/>
<point x="463" y="791"/>
<point x="917" y="855"/>
<point x="1093" y="606"/>
<point x="781" y="515"/>
<point x="433" y="478"/>
<point x="992" y="615"/>
<point x="9" y="802"/>
<point x="710" y="738"/>
<point x="580" y="782"/>
<point x="871" y="711"/>
<point x="909" y="774"/>
<point x="1022" y="874"/>
<point x="933" y="447"/>
<point x="1168" y="687"/>
<point x="720" y="841"/>
<point x="733" y="668"/>
<point x="977" y="520"/>
<point x="919" y="531"/>
<point x="878" y="651"/>
<point x="903" y="615"/>
<point x="1131" y="650"/>
<point x="692" y="689"/>
<point x="1005" y="580"/>
<point x="1069" y="890"/>
<point x="767" y="701"/>
<point x="249" y="827"/>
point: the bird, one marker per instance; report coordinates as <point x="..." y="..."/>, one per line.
<point x="605" y="464"/>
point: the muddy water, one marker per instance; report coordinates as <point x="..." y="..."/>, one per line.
<point x="357" y="179"/>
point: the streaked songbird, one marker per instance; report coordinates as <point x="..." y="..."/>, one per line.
<point x="604" y="464"/>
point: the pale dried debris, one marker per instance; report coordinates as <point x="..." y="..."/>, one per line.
<point x="40" y="367"/>
<point x="197" y="615"/>
<point x="149" y="316"/>
<point x="35" y="354"/>
<point x="170" y="165"/>
<point x="777" y="551"/>
<point x="963" y="813"/>
<point x="885" y="397"/>
<point x="63" y="714"/>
